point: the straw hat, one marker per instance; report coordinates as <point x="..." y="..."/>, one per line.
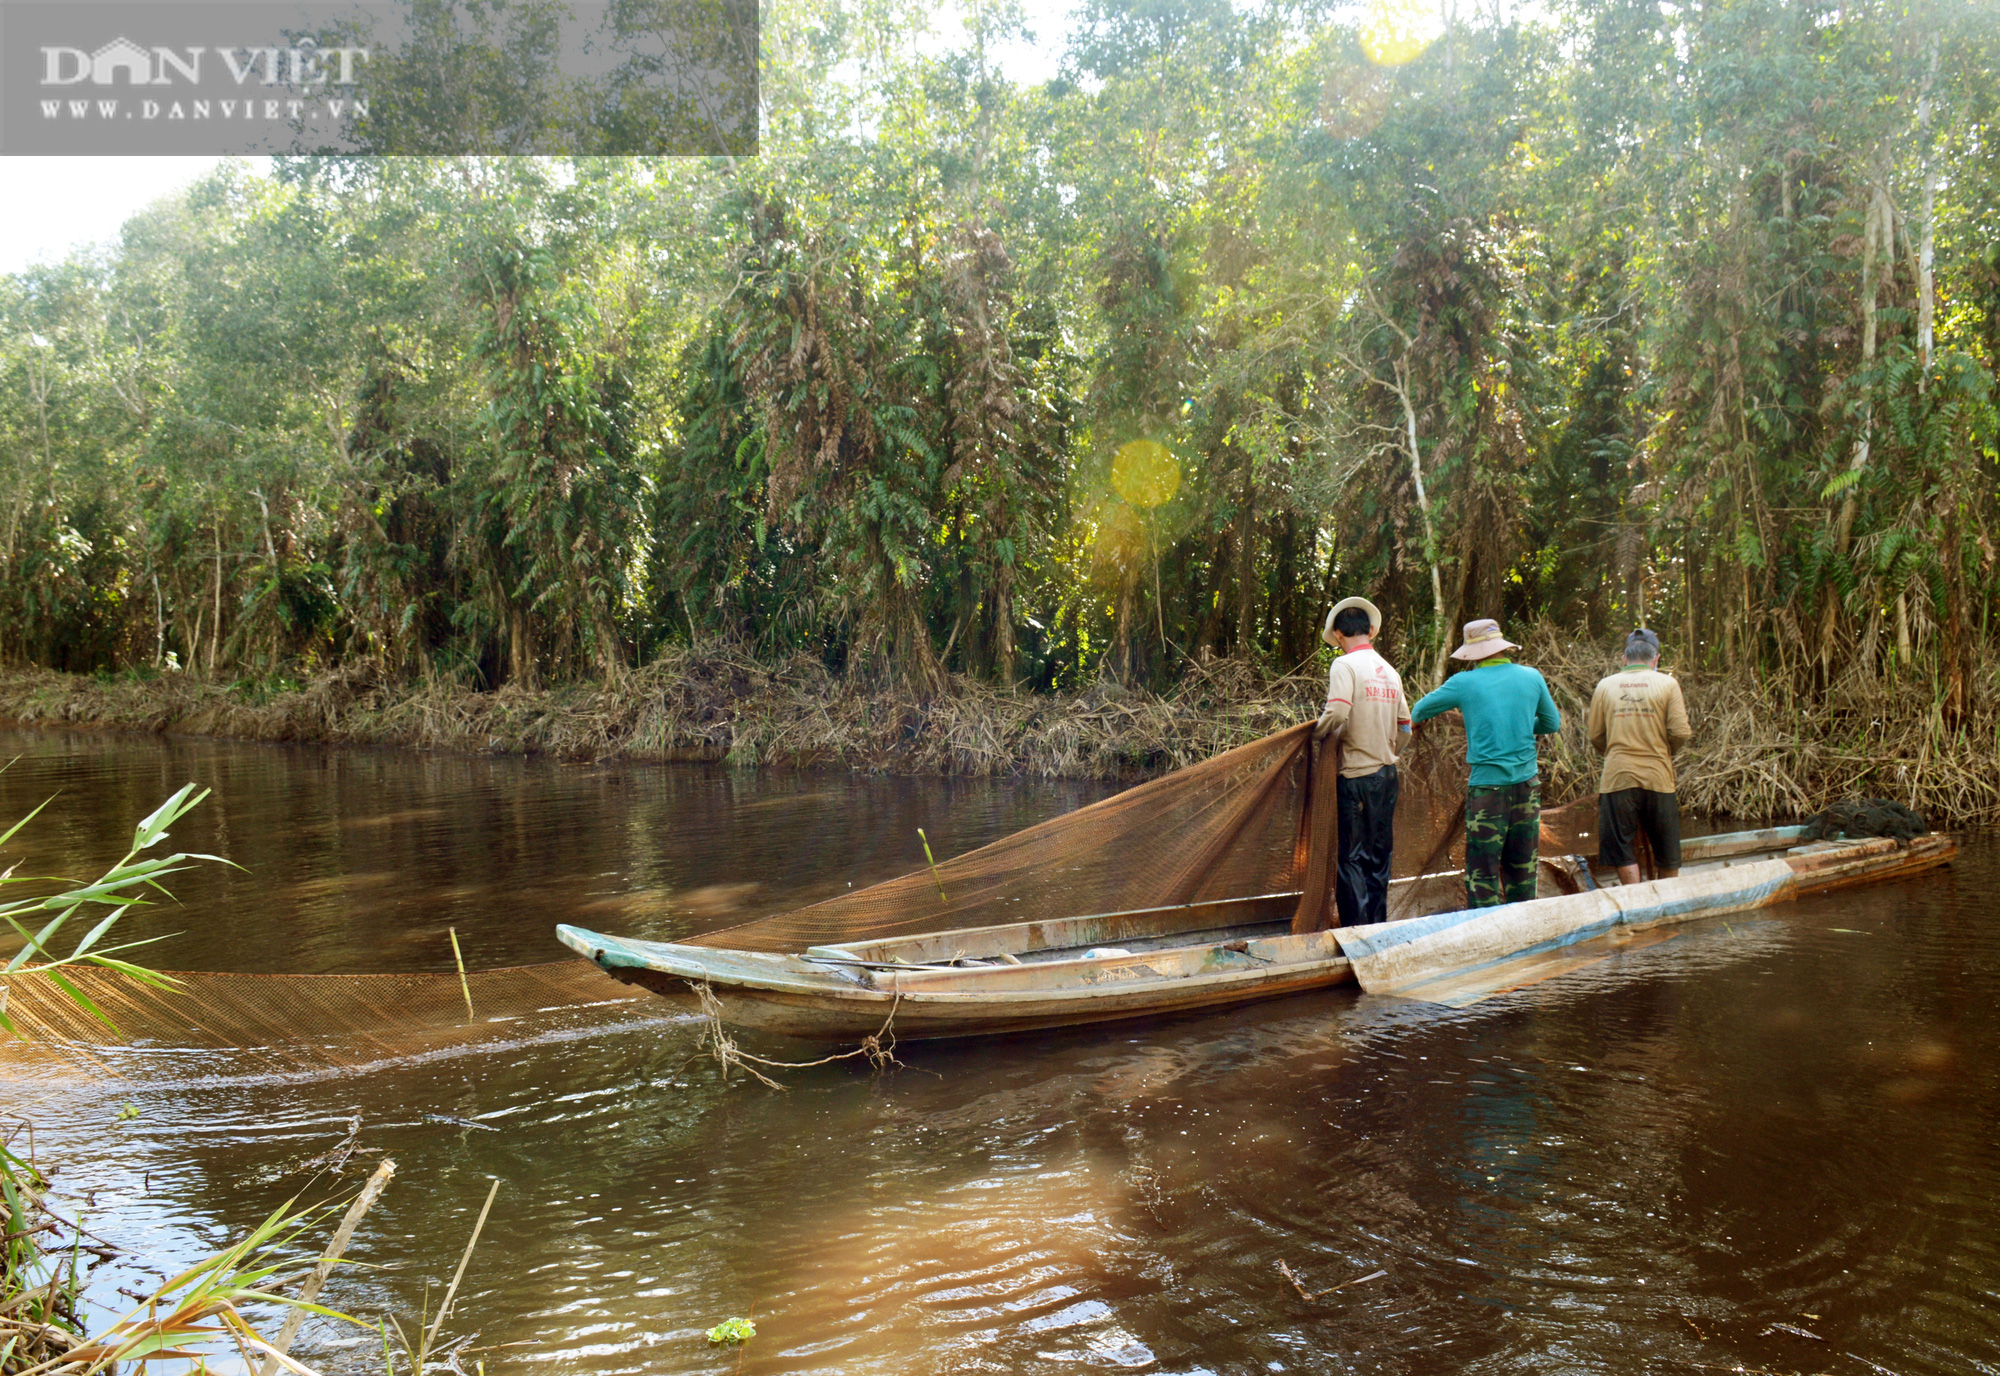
<point x="1374" y="618"/>
<point x="1482" y="640"/>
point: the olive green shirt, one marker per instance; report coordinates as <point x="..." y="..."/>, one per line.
<point x="1637" y="721"/>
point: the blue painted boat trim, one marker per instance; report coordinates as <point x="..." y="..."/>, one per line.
<point x="1372" y="940"/>
<point x="605" y="950"/>
<point x="1750" y="896"/>
<point x="1360" y="943"/>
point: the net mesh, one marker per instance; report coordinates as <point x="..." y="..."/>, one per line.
<point x="1242" y="823"/>
<point x="292" y="1023"/>
<point x="1228" y="826"/>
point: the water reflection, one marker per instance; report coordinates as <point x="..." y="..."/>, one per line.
<point x="1679" y="1158"/>
<point x="359" y="860"/>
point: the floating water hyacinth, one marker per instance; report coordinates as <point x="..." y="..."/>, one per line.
<point x="733" y="1331"/>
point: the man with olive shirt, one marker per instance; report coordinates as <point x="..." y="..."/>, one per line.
<point x="1505" y="706"/>
<point x="1637" y="721"/>
<point x="1365" y="704"/>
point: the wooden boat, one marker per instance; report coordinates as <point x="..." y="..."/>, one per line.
<point x="1151" y="961"/>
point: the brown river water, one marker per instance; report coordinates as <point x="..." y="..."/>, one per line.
<point x="1769" y="1144"/>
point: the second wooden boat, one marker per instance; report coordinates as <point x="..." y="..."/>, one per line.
<point x="1152" y="961"/>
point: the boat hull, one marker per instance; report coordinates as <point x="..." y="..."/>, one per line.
<point x="919" y="1017"/>
<point x="793" y="997"/>
<point x="1412" y="956"/>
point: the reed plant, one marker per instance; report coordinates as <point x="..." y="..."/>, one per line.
<point x="41" y="1278"/>
<point x="43" y="1274"/>
<point x="189" y="1315"/>
<point x="40" y="921"/>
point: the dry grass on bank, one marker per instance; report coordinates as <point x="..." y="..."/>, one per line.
<point x="711" y="703"/>
<point x="1756" y="753"/>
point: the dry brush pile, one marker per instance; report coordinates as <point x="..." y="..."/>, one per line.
<point x="1758" y="750"/>
<point x="711" y="702"/>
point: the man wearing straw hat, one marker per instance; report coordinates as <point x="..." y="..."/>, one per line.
<point x="1505" y="706"/>
<point x="1637" y="721"/>
<point x="1365" y="705"/>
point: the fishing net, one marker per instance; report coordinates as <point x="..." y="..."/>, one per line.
<point x="280" y="1024"/>
<point x="1868" y="817"/>
<point x="1223" y="828"/>
<point x="1254" y="820"/>
<point x="1240" y="824"/>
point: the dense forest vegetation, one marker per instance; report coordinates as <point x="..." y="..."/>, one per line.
<point x="1613" y="312"/>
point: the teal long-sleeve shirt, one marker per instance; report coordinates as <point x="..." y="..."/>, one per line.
<point x="1505" y="706"/>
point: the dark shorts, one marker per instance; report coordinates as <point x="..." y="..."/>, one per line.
<point x="1621" y="815"/>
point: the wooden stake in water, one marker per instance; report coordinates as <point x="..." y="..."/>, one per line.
<point x="933" y="859"/>
<point x="451" y="1291"/>
<point x="464" y="986"/>
<point x="342" y="1235"/>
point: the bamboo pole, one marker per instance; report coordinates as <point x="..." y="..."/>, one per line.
<point x="341" y="1237"/>
<point x="464" y="985"/>
<point x="451" y="1291"/>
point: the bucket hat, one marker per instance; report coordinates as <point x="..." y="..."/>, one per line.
<point x="1483" y="640"/>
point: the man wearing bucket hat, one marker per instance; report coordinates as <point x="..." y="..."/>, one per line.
<point x="1505" y="706"/>
<point x="1637" y="721"/>
<point x="1366" y="706"/>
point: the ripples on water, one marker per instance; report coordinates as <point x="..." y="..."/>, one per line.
<point x="1788" y="1119"/>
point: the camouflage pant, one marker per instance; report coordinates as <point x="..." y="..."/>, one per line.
<point x="1502" y="826"/>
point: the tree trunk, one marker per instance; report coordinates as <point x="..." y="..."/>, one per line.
<point x="1247" y="580"/>
<point x="967" y="603"/>
<point x="1876" y="225"/>
<point x="520" y="647"/>
<point x="610" y="653"/>
<point x="909" y="643"/>
<point x="1289" y="612"/>
<point x="1689" y="649"/>
<point x="1926" y="251"/>
<point x="1749" y="644"/>
<point x="1443" y="634"/>
<point x="1003" y="623"/>
<point x="1221" y="558"/>
<point x="1727" y="624"/>
<point x="1878" y="241"/>
<point x="1955" y="649"/>
<point x="1121" y="632"/>
<point x="215" y="628"/>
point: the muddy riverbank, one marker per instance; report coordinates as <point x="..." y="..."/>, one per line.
<point x="1758" y="752"/>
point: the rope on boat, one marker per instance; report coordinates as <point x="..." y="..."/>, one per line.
<point x="879" y="1047"/>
